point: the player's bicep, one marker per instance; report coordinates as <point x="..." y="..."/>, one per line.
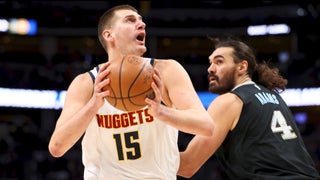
<point x="182" y="93"/>
<point x="225" y="111"/>
<point x="78" y="94"/>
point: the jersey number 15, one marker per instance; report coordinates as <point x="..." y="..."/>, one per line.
<point x="131" y="147"/>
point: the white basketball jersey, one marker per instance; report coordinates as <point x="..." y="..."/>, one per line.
<point x="129" y="145"/>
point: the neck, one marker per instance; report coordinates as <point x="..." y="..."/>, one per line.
<point x="112" y="55"/>
<point x="117" y="55"/>
<point x="244" y="79"/>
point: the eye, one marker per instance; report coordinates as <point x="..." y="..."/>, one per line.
<point x="218" y="61"/>
<point x="131" y="19"/>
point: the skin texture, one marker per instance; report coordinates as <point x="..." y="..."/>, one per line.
<point x="183" y="109"/>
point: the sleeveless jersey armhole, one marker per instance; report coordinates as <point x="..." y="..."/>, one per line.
<point x="92" y="76"/>
<point x="93" y="73"/>
<point x="152" y="62"/>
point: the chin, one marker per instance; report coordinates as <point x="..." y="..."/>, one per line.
<point x="141" y="51"/>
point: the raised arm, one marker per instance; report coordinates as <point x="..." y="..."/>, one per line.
<point x="183" y="109"/>
<point x="82" y="101"/>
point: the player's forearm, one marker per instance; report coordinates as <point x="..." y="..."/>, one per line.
<point x="191" y="121"/>
<point x="184" y="167"/>
<point x="198" y="151"/>
<point x="67" y="134"/>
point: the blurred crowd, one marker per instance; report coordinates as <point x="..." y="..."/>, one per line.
<point x="34" y="71"/>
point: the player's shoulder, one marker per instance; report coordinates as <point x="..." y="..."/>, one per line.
<point x="81" y="84"/>
<point x="167" y="62"/>
<point x="226" y="99"/>
<point x="83" y="79"/>
<point x="170" y="66"/>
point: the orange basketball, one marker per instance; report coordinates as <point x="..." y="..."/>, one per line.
<point x="130" y="83"/>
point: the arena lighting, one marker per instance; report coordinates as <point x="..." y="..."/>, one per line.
<point x="26" y="98"/>
<point x="301" y="117"/>
<point x="22" y="26"/>
<point x="272" y="29"/>
<point x="302" y="97"/>
<point x="206" y="98"/>
<point x="4" y="25"/>
<point x="49" y="99"/>
<point x="293" y="97"/>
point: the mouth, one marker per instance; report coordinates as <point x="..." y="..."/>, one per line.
<point x="140" y="37"/>
<point x="212" y="79"/>
<point x="212" y="82"/>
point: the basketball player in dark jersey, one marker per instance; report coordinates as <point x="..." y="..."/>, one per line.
<point x="255" y="134"/>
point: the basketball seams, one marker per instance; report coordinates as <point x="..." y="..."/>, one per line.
<point x="132" y="84"/>
<point x="135" y="79"/>
<point x="128" y="95"/>
<point x="122" y="98"/>
<point x="131" y="75"/>
<point x="114" y="97"/>
<point x="120" y="83"/>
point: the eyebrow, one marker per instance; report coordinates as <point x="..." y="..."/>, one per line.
<point x="131" y="15"/>
<point x="215" y="57"/>
<point x="218" y="56"/>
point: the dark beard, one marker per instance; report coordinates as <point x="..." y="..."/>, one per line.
<point x="222" y="86"/>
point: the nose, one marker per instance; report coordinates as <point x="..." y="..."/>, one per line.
<point x="141" y="24"/>
<point x="211" y="68"/>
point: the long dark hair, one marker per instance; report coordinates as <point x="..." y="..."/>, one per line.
<point x="263" y="73"/>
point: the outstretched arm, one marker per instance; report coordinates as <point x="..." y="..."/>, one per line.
<point x="201" y="148"/>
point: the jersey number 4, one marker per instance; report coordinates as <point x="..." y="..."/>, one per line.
<point x="131" y="145"/>
<point x="279" y="125"/>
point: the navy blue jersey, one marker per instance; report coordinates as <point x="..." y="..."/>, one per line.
<point x="266" y="143"/>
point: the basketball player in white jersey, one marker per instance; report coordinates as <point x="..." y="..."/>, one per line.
<point x="129" y="145"/>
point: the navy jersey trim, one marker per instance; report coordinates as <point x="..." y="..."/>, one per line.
<point x="93" y="77"/>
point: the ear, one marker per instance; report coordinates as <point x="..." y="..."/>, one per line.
<point x="243" y="67"/>
<point x="107" y="35"/>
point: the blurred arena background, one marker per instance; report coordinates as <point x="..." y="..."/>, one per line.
<point x="63" y="43"/>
